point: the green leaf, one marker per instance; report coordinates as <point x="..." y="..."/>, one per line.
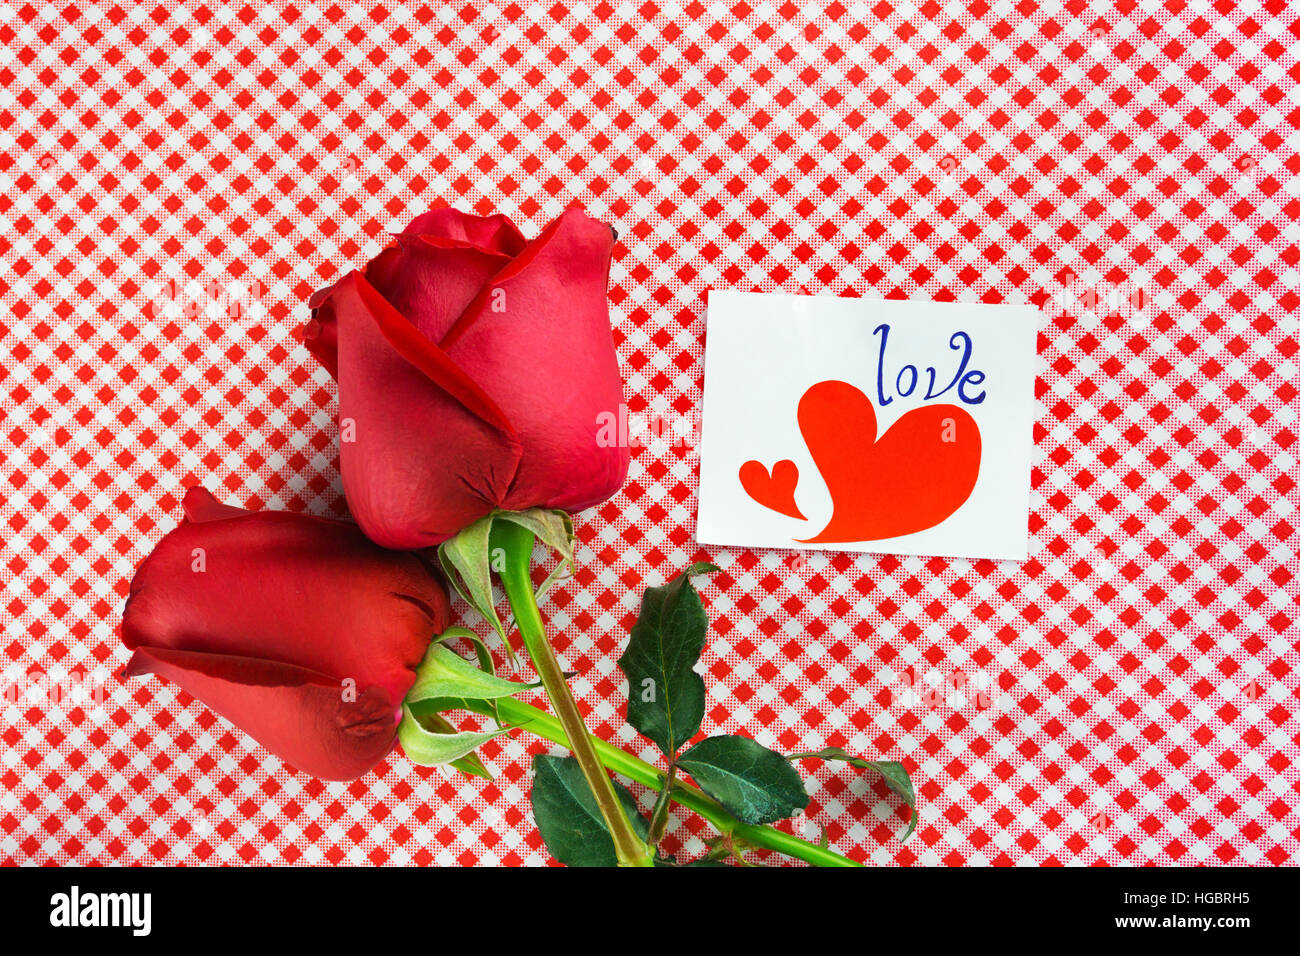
<point x="467" y="562"/>
<point x="567" y="815"/>
<point x="755" y="784"/>
<point x="895" y="774"/>
<point x="446" y="674"/>
<point x="665" y="694"/>
<point x="429" y="740"/>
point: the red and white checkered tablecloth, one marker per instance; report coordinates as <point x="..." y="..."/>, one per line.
<point x="175" y="182"/>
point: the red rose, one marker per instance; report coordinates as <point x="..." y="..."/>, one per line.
<point x="476" y="370"/>
<point x="294" y="628"/>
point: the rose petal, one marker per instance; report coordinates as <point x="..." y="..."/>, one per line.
<point x="495" y="234"/>
<point x="298" y="714"/>
<point x="431" y="280"/>
<point x="538" y="340"/>
<point x="199" y="505"/>
<point x="294" y="589"/>
<point x="424" y="451"/>
<point x="430" y="274"/>
<point x="321" y="335"/>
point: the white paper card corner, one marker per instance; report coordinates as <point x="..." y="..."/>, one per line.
<point x="867" y="425"/>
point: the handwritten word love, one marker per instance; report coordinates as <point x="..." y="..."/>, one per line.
<point x="906" y="380"/>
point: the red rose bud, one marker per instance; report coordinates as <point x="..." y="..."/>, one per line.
<point x="294" y="628"/>
<point x="474" y="370"/>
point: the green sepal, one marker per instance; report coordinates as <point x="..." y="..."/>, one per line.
<point x="471" y="764"/>
<point x="481" y="651"/>
<point x="466" y="559"/>
<point x="446" y="681"/>
<point x="436" y="723"/>
<point x="444" y="673"/>
<point x="430" y="740"/>
<point x="552" y="528"/>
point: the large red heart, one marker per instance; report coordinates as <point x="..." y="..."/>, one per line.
<point x="918" y="474"/>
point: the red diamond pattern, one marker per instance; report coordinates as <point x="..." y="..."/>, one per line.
<point x="176" y="179"/>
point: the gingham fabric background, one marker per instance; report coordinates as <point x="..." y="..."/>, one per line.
<point x="174" y="183"/>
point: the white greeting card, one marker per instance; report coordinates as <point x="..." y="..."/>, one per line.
<point x="867" y="425"/>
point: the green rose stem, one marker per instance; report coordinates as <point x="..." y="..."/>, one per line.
<point x="536" y="721"/>
<point x="516" y="544"/>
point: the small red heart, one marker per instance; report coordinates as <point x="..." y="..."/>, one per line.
<point x="915" y="476"/>
<point x="775" y="491"/>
